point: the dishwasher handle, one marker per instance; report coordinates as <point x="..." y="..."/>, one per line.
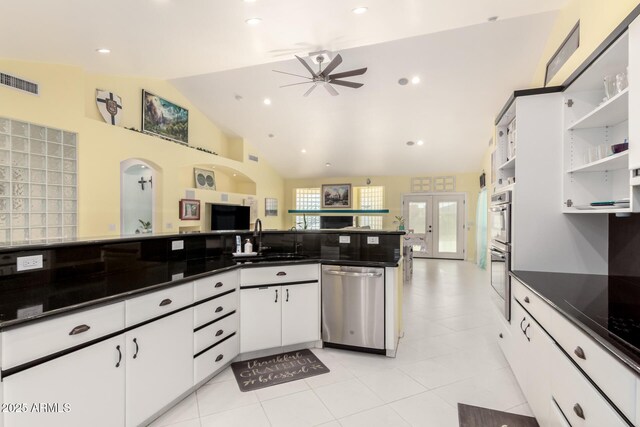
<point x="351" y="273"/>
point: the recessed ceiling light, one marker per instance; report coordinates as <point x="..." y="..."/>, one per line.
<point x="360" y="10"/>
<point x="303" y="151"/>
<point x="328" y="164"/>
<point x="267" y="101"/>
<point x="492" y="18"/>
<point x="403" y="81"/>
<point x="410" y="143"/>
<point x="235" y="174"/>
<point x="142" y="166"/>
<point x="415" y="80"/>
<point x="420" y="142"/>
<point x="103" y="50"/>
<point x="253" y="21"/>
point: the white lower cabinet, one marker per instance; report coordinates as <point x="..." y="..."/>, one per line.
<point x="159" y="365"/>
<point x="276" y="316"/>
<point x="83" y="388"/>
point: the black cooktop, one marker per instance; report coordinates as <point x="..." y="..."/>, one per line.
<point x="606" y="307"/>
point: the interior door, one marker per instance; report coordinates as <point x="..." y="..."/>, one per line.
<point x="417" y="211"/>
<point x="448" y="226"/>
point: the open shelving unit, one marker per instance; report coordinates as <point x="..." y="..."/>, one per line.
<point x="610" y="113"/>
<point x="617" y="161"/>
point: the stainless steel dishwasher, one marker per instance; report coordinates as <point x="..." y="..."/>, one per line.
<point x="353" y="308"/>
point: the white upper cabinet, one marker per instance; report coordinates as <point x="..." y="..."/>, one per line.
<point x="597" y="109"/>
<point x="634" y="100"/>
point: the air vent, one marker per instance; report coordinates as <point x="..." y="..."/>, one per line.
<point x="253" y="157"/>
<point x="18" y="83"/>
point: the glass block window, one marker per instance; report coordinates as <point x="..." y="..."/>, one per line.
<point x="370" y="197"/>
<point x="444" y="183"/>
<point x="309" y="199"/>
<point x="421" y="184"/>
<point x="38" y="183"/>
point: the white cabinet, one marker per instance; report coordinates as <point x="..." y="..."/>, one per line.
<point x="159" y="365"/>
<point x="90" y="381"/>
<point x="300" y="315"/>
<point x="276" y="316"/>
<point x="634" y="99"/>
<point x="260" y="318"/>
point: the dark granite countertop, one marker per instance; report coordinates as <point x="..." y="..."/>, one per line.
<point x="62" y="296"/>
<point x="607" y="308"/>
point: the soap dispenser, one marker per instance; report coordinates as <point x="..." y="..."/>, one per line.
<point x="248" y="247"/>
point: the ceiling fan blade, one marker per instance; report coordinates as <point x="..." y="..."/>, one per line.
<point x="347" y="84"/>
<point x="306" y="65"/>
<point x="296" y="84"/>
<point x="351" y="73"/>
<point x="291" y="74"/>
<point x="331" y="90"/>
<point x="332" y="65"/>
<point x="310" y="90"/>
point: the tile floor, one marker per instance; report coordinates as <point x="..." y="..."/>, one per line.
<point x="448" y="355"/>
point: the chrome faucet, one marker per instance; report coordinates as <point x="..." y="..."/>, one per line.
<point x="257" y="234"/>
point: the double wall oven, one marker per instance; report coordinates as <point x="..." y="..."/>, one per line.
<point x="500" y="248"/>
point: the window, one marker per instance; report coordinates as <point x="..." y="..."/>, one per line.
<point x="308" y="199"/>
<point x="370" y="198"/>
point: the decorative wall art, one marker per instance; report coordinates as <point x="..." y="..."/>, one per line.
<point x="109" y="105"/>
<point x="205" y="179"/>
<point x="164" y="118"/>
<point x="189" y="209"/>
<point x="270" y="207"/>
<point x="336" y="196"/>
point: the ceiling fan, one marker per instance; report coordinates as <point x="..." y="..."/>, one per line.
<point x="324" y="77"/>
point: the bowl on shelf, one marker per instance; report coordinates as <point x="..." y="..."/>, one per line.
<point x="619" y="148"/>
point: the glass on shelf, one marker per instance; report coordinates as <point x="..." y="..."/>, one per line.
<point x="37" y="147"/>
<point x="19" y="128"/>
<point x="19" y="143"/>
<point x="37" y="132"/>
<point x="54" y="135"/>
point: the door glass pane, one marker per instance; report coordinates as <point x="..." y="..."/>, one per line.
<point x="448" y="227"/>
<point x="418" y="217"/>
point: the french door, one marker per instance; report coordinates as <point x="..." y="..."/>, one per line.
<point x="436" y="224"/>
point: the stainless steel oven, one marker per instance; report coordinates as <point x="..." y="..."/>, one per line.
<point x="500" y="227"/>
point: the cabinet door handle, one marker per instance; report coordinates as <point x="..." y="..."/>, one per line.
<point x="281" y="273"/>
<point x="521" y="322"/>
<point x="79" y="329"/>
<point x="219" y="309"/>
<point x="276" y="296"/>
<point x="219" y="358"/>
<point x="220" y="332"/>
<point x="219" y="285"/>
<point x="578" y="410"/>
<point x="287" y="296"/>
<point x="119" y="356"/>
<point x="135" y="341"/>
<point x="500" y="335"/>
<point x="580" y="353"/>
<point x="525" y="332"/>
<point x="526" y="299"/>
<point x="165" y="301"/>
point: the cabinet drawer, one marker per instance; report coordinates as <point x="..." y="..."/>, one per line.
<point x="281" y="274"/>
<point x="26" y="343"/>
<point x="215" y="332"/>
<point x="579" y="401"/>
<point x="611" y="376"/>
<point x="158" y="303"/>
<point x="215" y="285"/>
<point x="214" y="309"/>
<point x="215" y="358"/>
<point x="539" y="309"/>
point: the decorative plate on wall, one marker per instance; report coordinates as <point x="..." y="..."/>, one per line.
<point x="205" y="179"/>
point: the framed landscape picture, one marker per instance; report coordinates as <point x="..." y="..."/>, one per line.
<point x="189" y="209"/>
<point x="164" y="118"/>
<point x="336" y="196"/>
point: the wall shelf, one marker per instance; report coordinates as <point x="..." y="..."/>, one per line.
<point x="597" y="211"/>
<point x="610" y="113"/>
<point x="614" y="162"/>
<point x="509" y="164"/>
<point x="341" y="211"/>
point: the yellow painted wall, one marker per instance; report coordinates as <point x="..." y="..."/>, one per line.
<point x="66" y="101"/>
<point x="394" y="188"/>
<point x="598" y="18"/>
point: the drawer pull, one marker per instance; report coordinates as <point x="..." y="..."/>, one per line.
<point x="500" y="335"/>
<point x="287" y="295"/>
<point x="526" y="299"/>
<point x="220" y="332"/>
<point x="119" y="356"/>
<point x="281" y="273"/>
<point x="219" y="309"/>
<point x="521" y="322"/>
<point x="276" y="296"/>
<point x="219" y="358"/>
<point x="580" y="353"/>
<point x="165" y="302"/>
<point x="79" y="329"/>
<point x="219" y="285"/>
<point x="578" y="410"/>
<point x="525" y="331"/>
<point x="135" y="341"/>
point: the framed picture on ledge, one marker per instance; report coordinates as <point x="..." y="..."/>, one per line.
<point x="189" y="209"/>
<point x="164" y="118"/>
<point x="336" y="196"/>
